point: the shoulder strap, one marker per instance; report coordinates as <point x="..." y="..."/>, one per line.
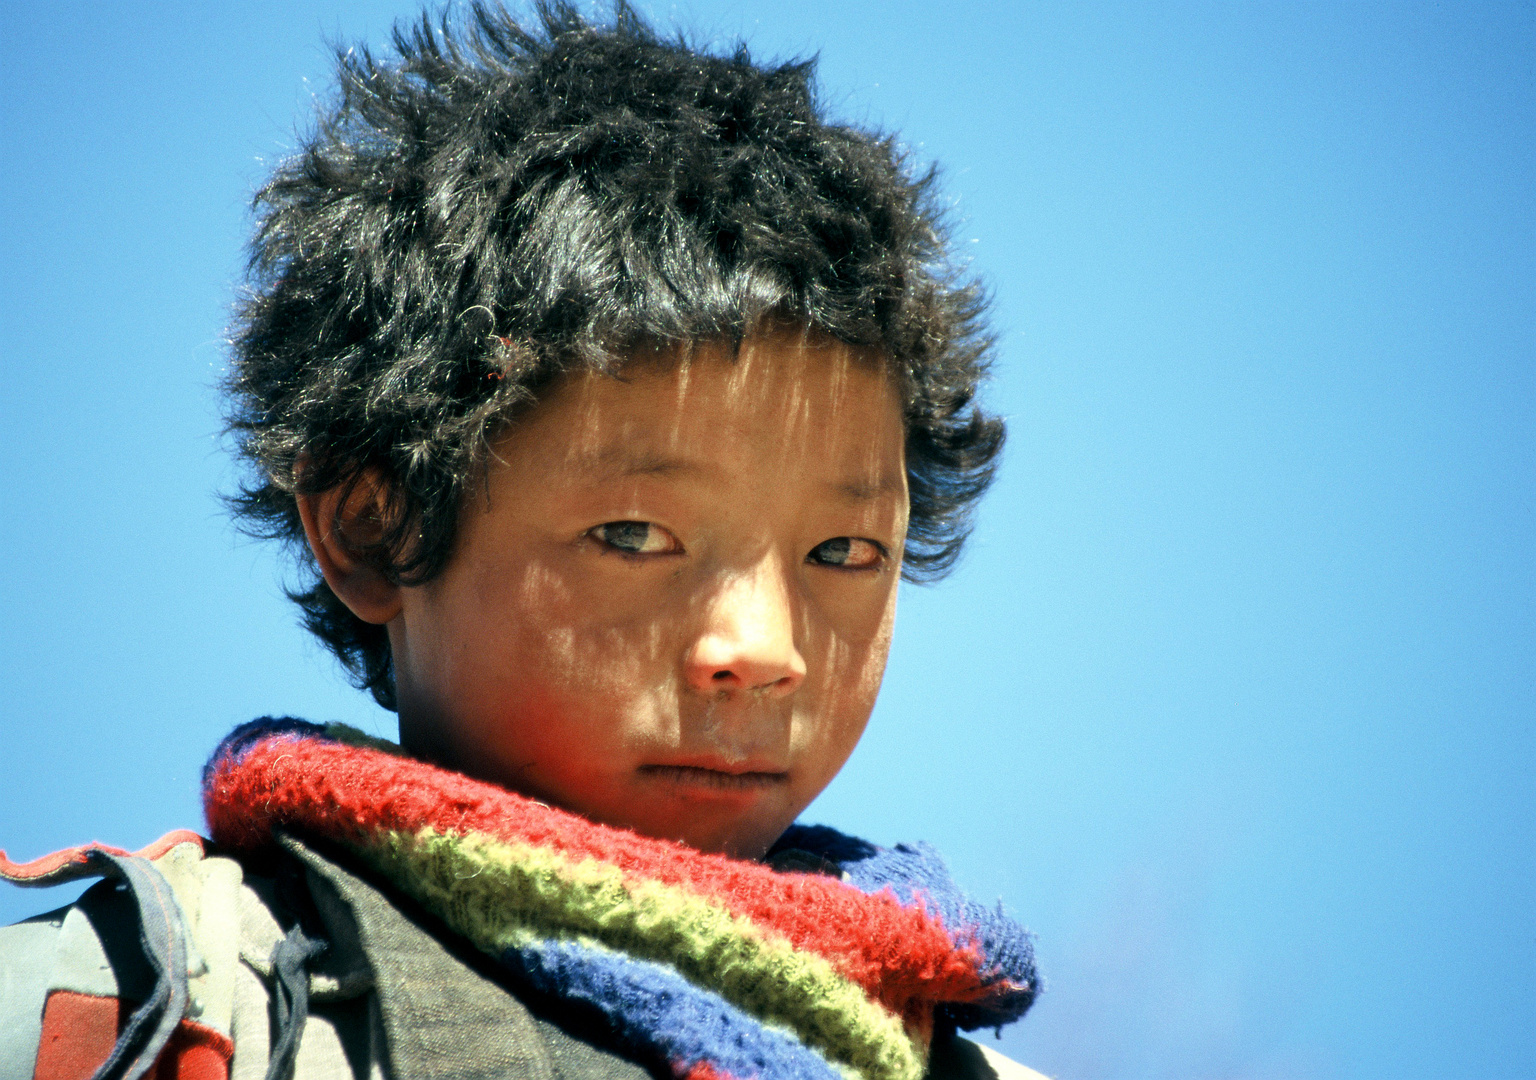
<point x="173" y="888"/>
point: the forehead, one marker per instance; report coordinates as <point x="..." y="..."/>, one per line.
<point x="808" y="404"/>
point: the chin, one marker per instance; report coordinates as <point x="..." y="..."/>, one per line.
<point x="737" y="842"/>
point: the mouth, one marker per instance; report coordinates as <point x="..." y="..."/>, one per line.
<point x="715" y="779"/>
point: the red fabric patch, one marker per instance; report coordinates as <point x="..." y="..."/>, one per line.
<point x="79" y="1031"/>
<point x="902" y="957"/>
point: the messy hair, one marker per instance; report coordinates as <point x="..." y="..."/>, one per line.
<point x="499" y="202"/>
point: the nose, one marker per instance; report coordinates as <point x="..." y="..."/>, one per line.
<point x="747" y="642"/>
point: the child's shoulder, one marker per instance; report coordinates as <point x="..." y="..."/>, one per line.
<point x="168" y="957"/>
<point x="189" y="957"/>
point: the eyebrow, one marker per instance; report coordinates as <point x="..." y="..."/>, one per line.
<point x="618" y="462"/>
<point x="860" y="491"/>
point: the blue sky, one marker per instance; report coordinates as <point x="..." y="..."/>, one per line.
<point x="1232" y="698"/>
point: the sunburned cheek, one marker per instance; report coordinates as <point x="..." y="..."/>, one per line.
<point x="857" y="666"/>
<point x="623" y="668"/>
<point x="838" y="701"/>
<point x="559" y="640"/>
<point x="575" y="751"/>
<point x="605" y="693"/>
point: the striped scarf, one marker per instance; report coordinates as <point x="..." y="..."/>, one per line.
<point x="718" y="967"/>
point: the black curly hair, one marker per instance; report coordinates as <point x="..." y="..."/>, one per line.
<point x="500" y="201"/>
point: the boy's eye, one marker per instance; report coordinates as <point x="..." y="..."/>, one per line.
<point x="636" y="537"/>
<point x="847" y="552"/>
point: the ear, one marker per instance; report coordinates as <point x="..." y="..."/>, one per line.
<point x="336" y="532"/>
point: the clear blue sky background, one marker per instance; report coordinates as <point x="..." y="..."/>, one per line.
<point x="1232" y="700"/>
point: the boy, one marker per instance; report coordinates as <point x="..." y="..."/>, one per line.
<point x="610" y="392"/>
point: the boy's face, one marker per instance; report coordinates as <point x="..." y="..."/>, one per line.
<point x="671" y="607"/>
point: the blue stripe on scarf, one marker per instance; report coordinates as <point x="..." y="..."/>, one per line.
<point x="658" y="1013"/>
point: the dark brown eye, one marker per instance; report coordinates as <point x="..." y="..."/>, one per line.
<point x="847" y="552"/>
<point x="635" y="537"/>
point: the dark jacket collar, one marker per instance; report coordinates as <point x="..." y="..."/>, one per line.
<point x="444" y="1013"/>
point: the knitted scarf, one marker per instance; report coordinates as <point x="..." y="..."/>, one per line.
<point x="717" y="967"/>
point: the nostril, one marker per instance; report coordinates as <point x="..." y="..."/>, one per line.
<point x="721" y="676"/>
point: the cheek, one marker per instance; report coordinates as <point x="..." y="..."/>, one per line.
<point x="538" y="617"/>
<point x="847" y="679"/>
<point x="574" y="657"/>
<point x="613" y="671"/>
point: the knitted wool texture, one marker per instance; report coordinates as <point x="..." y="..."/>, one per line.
<point x="717" y="967"/>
